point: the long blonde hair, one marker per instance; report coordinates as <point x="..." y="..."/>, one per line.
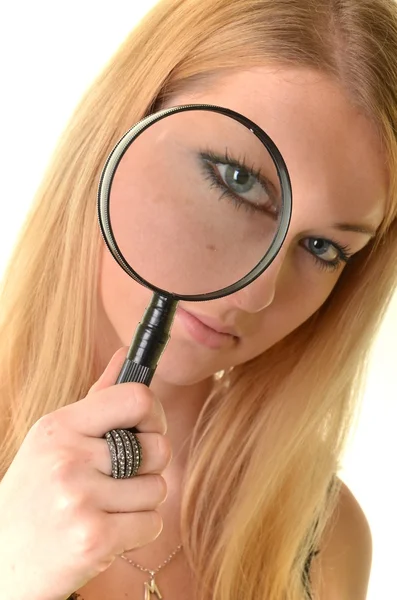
<point x="270" y="438"/>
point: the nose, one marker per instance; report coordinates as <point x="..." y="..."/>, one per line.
<point x="260" y="293"/>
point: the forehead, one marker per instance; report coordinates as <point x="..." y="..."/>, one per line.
<point x="332" y="150"/>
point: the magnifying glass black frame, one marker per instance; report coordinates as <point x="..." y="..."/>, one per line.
<point x="152" y="333"/>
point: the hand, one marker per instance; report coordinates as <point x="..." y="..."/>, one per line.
<point x="63" y="518"/>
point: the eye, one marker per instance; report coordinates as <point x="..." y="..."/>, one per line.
<point x="329" y="255"/>
<point x="240" y="180"/>
<point x="243" y="185"/>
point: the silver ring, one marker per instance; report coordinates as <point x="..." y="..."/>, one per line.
<point x="125" y="453"/>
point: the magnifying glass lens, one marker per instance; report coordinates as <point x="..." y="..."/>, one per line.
<point x="195" y="202"/>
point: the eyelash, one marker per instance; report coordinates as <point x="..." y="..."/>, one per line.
<point x="345" y="254"/>
<point x="227" y="159"/>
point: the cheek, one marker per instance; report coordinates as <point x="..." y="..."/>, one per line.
<point x="311" y="288"/>
<point x="123" y="299"/>
<point x="296" y="300"/>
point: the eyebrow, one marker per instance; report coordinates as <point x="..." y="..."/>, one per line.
<point x="356" y="228"/>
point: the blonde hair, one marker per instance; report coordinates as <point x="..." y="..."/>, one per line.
<point x="269" y="440"/>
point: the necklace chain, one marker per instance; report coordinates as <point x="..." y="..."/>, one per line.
<point x="150" y="571"/>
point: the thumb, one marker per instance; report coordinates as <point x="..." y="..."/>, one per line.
<point x="110" y="374"/>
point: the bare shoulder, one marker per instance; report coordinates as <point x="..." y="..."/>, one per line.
<point x="342" y="568"/>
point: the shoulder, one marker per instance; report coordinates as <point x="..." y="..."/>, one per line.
<point x="342" y="568"/>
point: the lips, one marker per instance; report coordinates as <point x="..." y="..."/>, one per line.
<point x="207" y="331"/>
<point x="214" y="324"/>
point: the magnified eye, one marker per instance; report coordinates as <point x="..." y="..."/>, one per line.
<point x="237" y="178"/>
<point x="243" y="185"/>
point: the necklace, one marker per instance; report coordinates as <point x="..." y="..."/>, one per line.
<point x="151" y="586"/>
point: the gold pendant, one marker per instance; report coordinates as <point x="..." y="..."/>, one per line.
<point x="151" y="588"/>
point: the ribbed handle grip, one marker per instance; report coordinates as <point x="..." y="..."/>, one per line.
<point x="131" y="371"/>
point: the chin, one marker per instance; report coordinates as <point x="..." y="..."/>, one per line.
<point x="182" y="373"/>
<point x="181" y="366"/>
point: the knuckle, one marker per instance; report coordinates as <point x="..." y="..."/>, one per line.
<point x="64" y="467"/>
<point x="46" y="427"/>
<point x="70" y="503"/>
<point x="72" y="495"/>
<point x="88" y="537"/>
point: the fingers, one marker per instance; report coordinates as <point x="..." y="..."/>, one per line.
<point x="110" y="406"/>
<point x="100" y="536"/>
<point x="141" y="493"/>
<point x="132" y="530"/>
<point x="110" y="374"/>
<point x="117" y="407"/>
<point x="156" y="453"/>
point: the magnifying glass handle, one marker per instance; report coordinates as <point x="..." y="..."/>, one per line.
<point x="132" y="371"/>
<point x="150" y="340"/>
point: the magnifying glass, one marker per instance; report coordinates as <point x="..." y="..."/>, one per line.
<point x="194" y="203"/>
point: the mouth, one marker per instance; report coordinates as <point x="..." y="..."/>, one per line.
<point x="207" y="331"/>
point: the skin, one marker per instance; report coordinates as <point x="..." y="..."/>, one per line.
<point x="338" y="175"/>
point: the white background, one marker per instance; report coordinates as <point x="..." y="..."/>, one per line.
<point x="49" y="53"/>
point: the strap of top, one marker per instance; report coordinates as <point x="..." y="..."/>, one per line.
<point x="306" y="573"/>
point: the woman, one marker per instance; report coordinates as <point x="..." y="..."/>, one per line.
<point x="250" y="494"/>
